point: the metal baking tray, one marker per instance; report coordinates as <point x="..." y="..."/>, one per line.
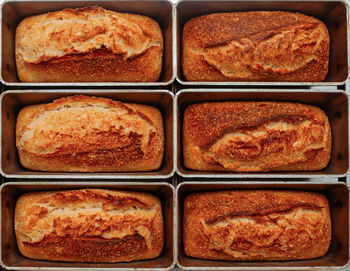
<point x="12" y="259"/>
<point x="333" y="13"/>
<point x="12" y="101"/>
<point x="12" y="12"/>
<point x="337" y="256"/>
<point x="334" y="103"/>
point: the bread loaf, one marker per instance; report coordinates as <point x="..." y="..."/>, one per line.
<point x="256" y="225"/>
<point x="255" y="46"/>
<point x="89" y="225"/>
<point x="88" y="44"/>
<point x="90" y="134"/>
<point x="255" y="136"/>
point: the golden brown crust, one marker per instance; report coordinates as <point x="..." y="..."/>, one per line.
<point x="88" y="44"/>
<point x="255" y="46"/>
<point x="256" y="225"/>
<point x="89" y="225"/>
<point x="255" y="136"/>
<point x="90" y="134"/>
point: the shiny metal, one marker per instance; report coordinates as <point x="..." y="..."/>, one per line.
<point x="13" y="12"/>
<point x="337" y="256"/>
<point x="333" y="13"/>
<point x="334" y="103"/>
<point x="12" y="101"/>
<point x="12" y="259"/>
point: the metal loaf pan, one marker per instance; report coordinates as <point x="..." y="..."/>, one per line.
<point x="12" y="259"/>
<point x="13" y="12"/>
<point x="334" y="103"/>
<point x="333" y="13"/>
<point x="337" y="256"/>
<point x="12" y="101"/>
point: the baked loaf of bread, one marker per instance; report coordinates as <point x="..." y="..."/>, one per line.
<point x="256" y="225"/>
<point x="255" y="46"/>
<point x="89" y="225"/>
<point x="90" y="134"/>
<point x="88" y="44"/>
<point x="255" y="136"/>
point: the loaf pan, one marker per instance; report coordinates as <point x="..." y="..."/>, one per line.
<point x="14" y="11"/>
<point x="337" y="256"/>
<point x="334" y="103"/>
<point x="12" y="259"/>
<point x="333" y="13"/>
<point x="12" y="101"/>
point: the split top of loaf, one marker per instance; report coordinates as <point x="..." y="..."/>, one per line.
<point x="256" y="225"/>
<point x="90" y="134"/>
<point x="88" y="44"/>
<point x="89" y="225"/>
<point x="75" y="31"/>
<point x="255" y="46"/>
<point x="255" y="136"/>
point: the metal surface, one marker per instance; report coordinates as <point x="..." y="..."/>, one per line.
<point x="334" y="103"/>
<point x="13" y="12"/>
<point x="171" y="20"/>
<point x="333" y="13"/>
<point x="12" y="101"/>
<point x="12" y="259"/>
<point x="337" y="256"/>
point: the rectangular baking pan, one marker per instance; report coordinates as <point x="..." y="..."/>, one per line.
<point x="336" y="258"/>
<point x="13" y="12"/>
<point x="12" y="101"/>
<point x="12" y="259"/>
<point x="334" y="103"/>
<point x="333" y="13"/>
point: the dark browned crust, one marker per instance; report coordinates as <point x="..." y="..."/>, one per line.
<point x="81" y="239"/>
<point x="96" y="66"/>
<point x="229" y="117"/>
<point x="218" y="29"/>
<point x="104" y="159"/>
<point x="206" y="123"/>
<point x="89" y="56"/>
<point x="90" y="249"/>
<point x="264" y="208"/>
<point x="99" y="153"/>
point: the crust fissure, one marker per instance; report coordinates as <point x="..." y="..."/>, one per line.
<point x="89" y="220"/>
<point x="58" y="34"/>
<point x="59" y="129"/>
<point x="284" y="143"/>
<point x="241" y="235"/>
<point x="281" y="52"/>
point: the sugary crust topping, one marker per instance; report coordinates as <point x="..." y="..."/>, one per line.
<point x="222" y="204"/>
<point x="55" y="35"/>
<point x="255" y="136"/>
<point x="218" y="29"/>
<point x="256" y="225"/>
<point x="253" y="45"/>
